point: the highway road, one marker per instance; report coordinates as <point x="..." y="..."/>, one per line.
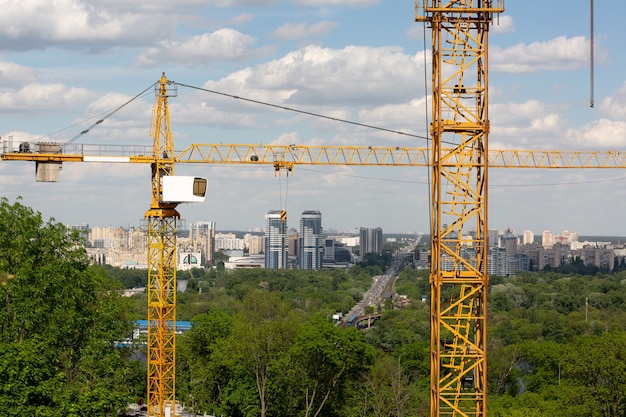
<point x="373" y="296"/>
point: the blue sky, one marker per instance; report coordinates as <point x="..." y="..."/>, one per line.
<point x="64" y="62"/>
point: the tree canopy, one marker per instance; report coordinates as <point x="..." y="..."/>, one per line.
<point x="60" y="320"/>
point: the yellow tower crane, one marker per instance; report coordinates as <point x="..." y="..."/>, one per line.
<point x="162" y="219"/>
<point x="458" y="361"/>
<point x="458" y="275"/>
<point x="162" y="215"/>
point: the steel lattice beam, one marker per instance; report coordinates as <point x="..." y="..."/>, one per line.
<point x="459" y="162"/>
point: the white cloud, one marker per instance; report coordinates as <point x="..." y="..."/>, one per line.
<point x="503" y="24"/>
<point x="600" y="133"/>
<point x="554" y="55"/>
<point x="37" y="24"/>
<point x="223" y="44"/>
<point x="294" y="31"/>
<point x="528" y="125"/>
<point x="350" y="83"/>
<point x="12" y="74"/>
<point x="407" y="117"/>
<point x="615" y="105"/>
<point x="37" y="96"/>
<point x="354" y="74"/>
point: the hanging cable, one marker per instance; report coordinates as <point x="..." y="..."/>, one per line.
<point x="336" y="119"/>
<point x="111" y="113"/>
<point x="429" y="139"/>
<point x="591" y="53"/>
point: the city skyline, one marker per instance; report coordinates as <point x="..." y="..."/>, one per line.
<point x="320" y="57"/>
<point x="525" y="236"/>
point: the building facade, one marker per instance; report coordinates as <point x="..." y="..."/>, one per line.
<point x="202" y="239"/>
<point x="311" y="242"/>
<point x="529" y="237"/>
<point x="254" y="244"/>
<point x="275" y="241"/>
<point x="371" y="240"/>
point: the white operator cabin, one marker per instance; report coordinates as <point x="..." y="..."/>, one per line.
<point x="183" y="189"/>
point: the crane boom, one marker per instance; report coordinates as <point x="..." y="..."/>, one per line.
<point x="235" y="154"/>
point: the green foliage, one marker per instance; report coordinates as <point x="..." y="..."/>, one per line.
<point x="413" y="283"/>
<point x="310" y="291"/>
<point x="321" y="362"/>
<point x="375" y="264"/>
<point x="390" y="391"/>
<point x="130" y="278"/>
<point x="59" y="321"/>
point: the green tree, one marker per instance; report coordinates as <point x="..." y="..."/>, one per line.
<point x="60" y="320"/>
<point x="203" y="372"/>
<point x="389" y="388"/>
<point x="262" y="333"/>
<point x="599" y="364"/>
<point x="322" y="361"/>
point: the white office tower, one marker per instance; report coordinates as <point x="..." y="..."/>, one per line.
<point x="275" y="241"/>
<point x="529" y="237"/>
<point x="311" y="242"/>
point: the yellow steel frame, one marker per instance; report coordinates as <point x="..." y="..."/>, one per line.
<point x="162" y="219"/>
<point x="388" y="156"/>
<point x="458" y="278"/>
<point x="459" y="205"/>
<point x="161" y="315"/>
<point x="291" y="155"/>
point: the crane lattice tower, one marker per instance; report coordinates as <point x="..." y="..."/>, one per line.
<point x="458" y="277"/>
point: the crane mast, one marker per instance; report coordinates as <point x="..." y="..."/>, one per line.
<point x="459" y="248"/>
<point x="162" y="220"/>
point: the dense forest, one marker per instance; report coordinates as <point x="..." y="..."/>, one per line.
<point x="263" y="342"/>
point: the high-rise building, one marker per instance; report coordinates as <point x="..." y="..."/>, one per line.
<point x="293" y="244"/>
<point x="508" y="241"/>
<point x="202" y="236"/>
<point x="529" y="237"/>
<point x="492" y="237"/>
<point x="371" y="240"/>
<point x="275" y="241"/>
<point x="311" y="242"/>
<point x="329" y="249"/>
<point x="254" y="244"/>
<point x="547" y="239"/>
<point x="228" y="241"/>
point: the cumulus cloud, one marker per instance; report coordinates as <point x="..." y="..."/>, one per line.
<point x="553" y="55"/>
<point x="528" y="125"/>
<point x="223" y="44"/>
<point x="615" y="105"/>
<point x="36" y="96"/>
<point x="294" y="31"/>
<point x="602" y="133"/>
<point x="503" y="24"/>
<point x="354" y="74"/>
<point x="410" y="117"/>
<point x="363" y="84"/>
<point x="12" y="74"/>
<point x="38" y="24"/>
